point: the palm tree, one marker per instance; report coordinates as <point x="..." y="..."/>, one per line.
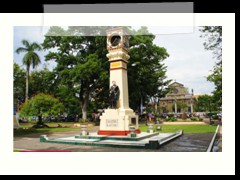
<point x="30" y="58"/>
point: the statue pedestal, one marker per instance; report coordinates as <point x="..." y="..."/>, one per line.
<point x="115" y="122"/>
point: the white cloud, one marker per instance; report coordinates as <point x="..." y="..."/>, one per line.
<point x="189" y="63"/>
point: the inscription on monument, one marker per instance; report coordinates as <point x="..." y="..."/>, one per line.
<point x="133" y="121"/>
<point x="112" y="123"/>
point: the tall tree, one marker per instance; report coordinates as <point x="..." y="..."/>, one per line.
<point x="42" y="81"/>
<point x="205" y="103"/>
<point x="82" y="65"/>
<point x="147" y="71"/>
<point x="216" y="78"/>
<point x="213" y="42"/>
<point x="30" y="58"/>
<point x="19" y="77"/>
<point x="82" y="70"/>
<point x="213" y="36"/>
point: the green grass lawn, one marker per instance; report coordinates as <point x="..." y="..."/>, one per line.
<point x="68" y="127"/>
<point x="186" y="128"/>
<point x="51" y="124"/>
<point x="26" y="128"/>
<point x="15" y="150"/>
<point x="22" y="131"/>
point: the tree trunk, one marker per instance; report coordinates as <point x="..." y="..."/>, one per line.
<point x="40" y="122"/>
<point x="27" y="79"/>
<point x="84" y="107"/>
<point x="155" y="107"/>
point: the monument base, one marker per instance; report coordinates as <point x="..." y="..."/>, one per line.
<point x="117" y="133"/>
<point x="115" y="122"/>
<point x="141" y="141"/>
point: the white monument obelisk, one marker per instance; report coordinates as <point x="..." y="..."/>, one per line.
<point x="116" y="121"/>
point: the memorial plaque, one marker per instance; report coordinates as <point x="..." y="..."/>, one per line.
<point x="133" y="121"/>
<point x="112" y="122"/>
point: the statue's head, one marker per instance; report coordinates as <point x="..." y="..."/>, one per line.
<point x="114" y="82"/>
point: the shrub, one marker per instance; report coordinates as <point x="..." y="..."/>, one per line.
<point x="211" y="114"/>
<point x="195" y="119"/>
<point x="184" y="116"/>
<point x="42" y="105"/>
<point x="171" y="119"/>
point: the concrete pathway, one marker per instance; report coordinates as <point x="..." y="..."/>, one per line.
<point x="185" y="143"/>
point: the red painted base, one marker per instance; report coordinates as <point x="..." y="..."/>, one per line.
<point x="117" y="133"/>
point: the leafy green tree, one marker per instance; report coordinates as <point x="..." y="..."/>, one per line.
<point x="213" y="36"/>
<point x="164" y="109"/>
<point x="82" y="65"/>
<point x="181" y="106"/>
<point x="216" y="78"/>
<point x="82" y="71"/>
<point x="42" y="105"/>
<point x="205" y="103"/>
<point x="42" y="81"/>
<point x="146" y="70"/>
<point x="19" y="77"/>
<point x="69" y="99"/>
<point x="30" y="58"/>
<point x="149" y="108"/>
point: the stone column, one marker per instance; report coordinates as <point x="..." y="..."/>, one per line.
<point x="116" y="121"/>
<point x="192" y="102"/>
<point x="175" y="106"/>
<point x="191" y="106"/>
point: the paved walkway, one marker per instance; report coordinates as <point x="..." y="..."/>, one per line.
<point x="185" y="143"/>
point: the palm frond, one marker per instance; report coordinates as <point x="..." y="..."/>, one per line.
<point x="21" y="49"/>
<point x="27" y="59"/>
<point x="26" y="43"/>
<point x="35" y="60"/>
<point x="36" y="46"/>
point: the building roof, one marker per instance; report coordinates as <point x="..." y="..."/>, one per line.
<point x="177" y="83"/>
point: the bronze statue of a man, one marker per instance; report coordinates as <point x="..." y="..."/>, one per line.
<point x="114" y="95"/>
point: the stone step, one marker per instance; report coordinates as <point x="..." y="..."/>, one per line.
<point x="149" y="141"/>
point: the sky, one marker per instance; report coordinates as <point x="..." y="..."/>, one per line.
<point x="189" y="63"/>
